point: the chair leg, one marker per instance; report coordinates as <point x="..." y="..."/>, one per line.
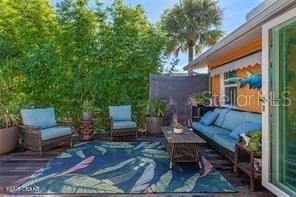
<point x="111" y="137"/>
<point x="137" y="134"/>
<point x="40" y="148"/>
<point x="40" y="152"/>
<point x="71" y="142"/>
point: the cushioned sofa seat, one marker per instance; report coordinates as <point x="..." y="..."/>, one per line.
<point x="210" y="131"/>
<point x="226" y="141"/>
<point x="198" y="126"/>
<point x="54" y="132"/>
<point x="124" y="124"/>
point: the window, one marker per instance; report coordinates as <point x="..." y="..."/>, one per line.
<point x="230" y="85"/>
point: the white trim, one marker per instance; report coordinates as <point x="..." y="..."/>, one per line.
<point x="266" y="90"/>
<point x="250" y="60"/>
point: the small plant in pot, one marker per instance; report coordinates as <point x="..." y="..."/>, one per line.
<point x="156" y="110"/>
<point x="178" y="128"/>
<point x="87" y="109"/>
<point x="255" y="143"/>
<point x="9" y="132"/>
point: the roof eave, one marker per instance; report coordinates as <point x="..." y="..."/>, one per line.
<point x="252" y="23"/>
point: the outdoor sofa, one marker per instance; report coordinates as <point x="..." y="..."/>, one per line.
<point x="218" y="134"/>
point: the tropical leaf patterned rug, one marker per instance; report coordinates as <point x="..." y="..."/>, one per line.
<point x="119" y="167"/>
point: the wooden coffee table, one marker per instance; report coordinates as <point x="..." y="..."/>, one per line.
<point x="181" y="147"/>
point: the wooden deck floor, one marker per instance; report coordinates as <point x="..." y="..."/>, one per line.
<point x="19" y="164"/>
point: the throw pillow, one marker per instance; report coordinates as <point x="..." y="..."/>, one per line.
<point x="209" y="118"/>
<point x="244" y="128"/>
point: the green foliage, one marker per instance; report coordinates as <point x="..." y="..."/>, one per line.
<point x="157" y="108"/>
<point x="179" y="126"/>
<point x="61" y="56"/>
<point x="87" y="106"/>
<point x="192" y="25"/>
<point x="8" y="115"/>
<point x="201" y="98"/>
<point x="255" y="143"/>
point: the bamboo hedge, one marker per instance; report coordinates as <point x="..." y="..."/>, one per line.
<point x="62" y="55"/>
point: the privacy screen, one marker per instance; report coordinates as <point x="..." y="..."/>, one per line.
<point x="177" y="90"/>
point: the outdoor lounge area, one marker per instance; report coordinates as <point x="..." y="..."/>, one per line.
<point x="130" y="98"/>
<point x="15" y="166"/>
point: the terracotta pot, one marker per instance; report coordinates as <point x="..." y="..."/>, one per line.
<point x="8" y="139"/>
<point x="86" y="116"/>
<point x="154" y="125"/>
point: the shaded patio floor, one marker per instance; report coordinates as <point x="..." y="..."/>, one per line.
<point x="19" y="164"/>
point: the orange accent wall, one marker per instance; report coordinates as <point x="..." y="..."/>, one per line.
<point x="215" y="83"/>
<point x="248" y="99"/>
<point x="236" y="53"/>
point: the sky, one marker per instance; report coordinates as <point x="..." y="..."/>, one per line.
<point x="234" y="14"/>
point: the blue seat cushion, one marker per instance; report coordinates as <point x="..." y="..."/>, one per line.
<point x="233" y="119"/>
<point x="253" y="117"/>
<point x="209" y="118"/>
<point x="54" y="132"/>
<point x="244" y="128"/>
<point x="212" y="130"/>
<point x="124" y="124"/>
<point x="226" y="141"/>
<point x="198" y="126"/>
<point x="222" y="113"/>
<point x="120" y="112"/>
<point x="43" y="118"/>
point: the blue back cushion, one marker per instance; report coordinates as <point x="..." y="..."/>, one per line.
<point x="244" y="128"/>
<point x="222" y="113"/>
<point x="120" y="112"/>
<point x="254" y="118"/>
<point x="44" y="118"/>
<point x="209" y="118"/>
<point x="233" y="119"/>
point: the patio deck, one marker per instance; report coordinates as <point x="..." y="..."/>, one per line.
<point x="17" y="165"/>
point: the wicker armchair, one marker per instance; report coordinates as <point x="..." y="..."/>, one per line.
<point x="121" y="121"/>
<point x="42" y="132"/>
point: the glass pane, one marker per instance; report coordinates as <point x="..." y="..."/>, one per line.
<point x="283" y="122"/>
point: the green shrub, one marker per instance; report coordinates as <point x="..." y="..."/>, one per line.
<point x="61" y="56"/>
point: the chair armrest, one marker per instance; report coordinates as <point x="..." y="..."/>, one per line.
<point x="67" y="123"/>
<point x="110" y="122"/>
<point x="30" y="128"/>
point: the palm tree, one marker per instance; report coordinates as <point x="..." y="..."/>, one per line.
<point x="192" y="25"/>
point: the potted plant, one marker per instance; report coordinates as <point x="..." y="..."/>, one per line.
<point x="155" y="115"/>
<point x="8" y="128"/>
<point x="200" y="99"/>
<point x="87" y="109"/>
<point x="255" y="142"/>
<point x="178" y="128"/>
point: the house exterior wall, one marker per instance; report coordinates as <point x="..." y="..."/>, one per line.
<point x="252" y="46"/>
<point x="215" y="88"/>
<point x="249" y="99"/>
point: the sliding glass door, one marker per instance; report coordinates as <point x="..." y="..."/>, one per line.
<point x="281" y="116"/>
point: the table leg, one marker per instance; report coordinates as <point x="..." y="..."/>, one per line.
<point x="172" y="156"/>
<point x="196" y="156"/>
